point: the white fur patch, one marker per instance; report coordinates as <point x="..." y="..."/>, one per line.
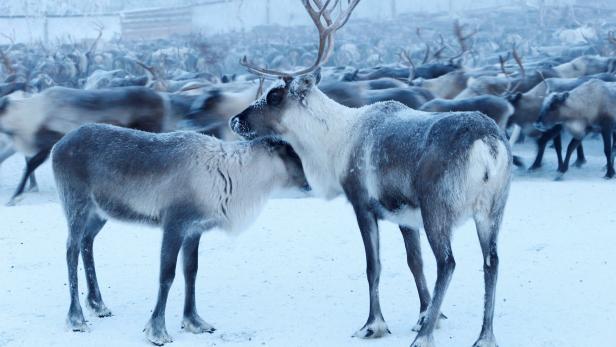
<point x="410" y="217"/>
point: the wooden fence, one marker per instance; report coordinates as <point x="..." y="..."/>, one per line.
<point x="156" y="23"/>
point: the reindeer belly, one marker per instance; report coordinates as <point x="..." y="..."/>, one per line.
<point x="405" y="216"/>
<point x="399" y="211"/>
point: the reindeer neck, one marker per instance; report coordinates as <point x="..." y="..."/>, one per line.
<point x="322" y="135"/>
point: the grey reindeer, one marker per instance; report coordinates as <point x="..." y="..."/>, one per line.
<point x="185" y="182"/>
<point x="35" y="124"/>
<point x="590" y="105"/>
<point x="416" y="169"/>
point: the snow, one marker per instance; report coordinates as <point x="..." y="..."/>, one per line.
<point x="296" y="277"/>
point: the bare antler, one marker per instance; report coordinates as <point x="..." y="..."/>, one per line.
<point x="439" y="52"/>
<point x="427" y="55"/>
<point x="6" y="61"/>
<point x="462" y="38"/>
<point x="502" y="62"/>
<point x="518" y="61"/>
<point x="611" y="37"/>
<point x="408" y="61"/>
<point x="100" y="27"/>
<point x="319" y="13"/>
<point x="153" y="74"/>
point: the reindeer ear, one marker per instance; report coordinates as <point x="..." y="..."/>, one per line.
<point x="563" y="97"/>
<point x="514" y="98"/>
<point x="317" y="75"/>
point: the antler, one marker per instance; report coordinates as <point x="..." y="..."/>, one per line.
<point x="611" y="37"/>
<point x="462" y="38"/>
<point x="100" y="27"/>
<point x="6" y="61"/>
<point x="319" y="12"/>
<point x="502" y="62"/>
<point x="518" y="61"/>
<point x="427" y="55"/>
<point x="406" y="59"/>
<point x="152" y="72"/>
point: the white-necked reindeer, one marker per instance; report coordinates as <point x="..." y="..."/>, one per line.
<point x="417" y="169"/>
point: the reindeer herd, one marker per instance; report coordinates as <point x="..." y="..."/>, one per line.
<point x="424" y="143"/>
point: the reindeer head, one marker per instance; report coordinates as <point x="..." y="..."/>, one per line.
<point x="277" y="109"/>
<point x="551" y="111"/>
<point x="291" y="98"/>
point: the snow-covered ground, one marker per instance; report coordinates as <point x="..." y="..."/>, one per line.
<point x="296" y="277"/>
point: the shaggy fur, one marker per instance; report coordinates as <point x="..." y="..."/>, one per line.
<point x="417" y="169"/>
<point x="184" y="182"/>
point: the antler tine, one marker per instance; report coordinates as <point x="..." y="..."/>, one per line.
<point x="502" y="62"/>
<point x="611" y="37"/>
<point x="151" y="70"/>
<point x="326" y="31"/>
<point x="327" y="16"/>
<point x="6" y="62"/>
<point x="427" y="55"/>
<point x="462" y="39"/>
<point x="406" y="57"/>
<point x="518" y="60"/>
<point x="100" y="28"/>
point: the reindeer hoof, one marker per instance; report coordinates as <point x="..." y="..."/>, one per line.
<point x="196" y="325"/>
<point x="579" y="163"/>
<point x="77" y="323"/>
<point x="423" y="341"/>
<point x="422" y="317"/>
<point x="486" y="341"/>
<point x="98" y="308"/>
<point x="156" y="333"/>
<point x="373" y="330"/>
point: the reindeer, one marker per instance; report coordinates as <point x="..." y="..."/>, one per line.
<point x="592" y="104"/>
<point x="391" y="162"/>
<point x="528" y="107"/>
<point x="495" y="107"/>
<point x="184" y="182"/>
<point x="586" y="65"/>
<point x="447" y="86"/>
<point x="35" y="124"/>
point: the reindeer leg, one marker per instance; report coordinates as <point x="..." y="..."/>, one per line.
<point x="606" y="133"/>
<point x="572" y="147"/>
<point x="31" y="165"/>
<point x="488" y="226"/>
<point x="613" y="146"/>
<point x="192" y="321"/>
<point x="558" y="148"/>
<point x="94" y="301"/>
<point x="33" y="185"/>
<point x="415" y="263"/>
<point x="541" y="144"/>
<point x="439" y="236"/>
<point x="173" y="233"/>
<point x="375" y="326"/>
<point x="581" y="158"/>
